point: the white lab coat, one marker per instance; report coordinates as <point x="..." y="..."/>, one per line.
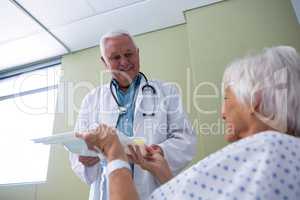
<point x="169" y="128"/>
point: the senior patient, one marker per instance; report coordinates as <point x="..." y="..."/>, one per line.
<point x="261" y="110"/>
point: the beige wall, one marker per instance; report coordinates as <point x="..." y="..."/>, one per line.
<point x="193" y="55"/>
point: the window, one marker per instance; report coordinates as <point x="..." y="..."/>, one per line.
<point x="27" y="107"/>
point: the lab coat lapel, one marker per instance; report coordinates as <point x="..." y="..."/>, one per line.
<point x="108" y="109"/>
<point x="139" y="97"/>
<point x="138" y="120"/>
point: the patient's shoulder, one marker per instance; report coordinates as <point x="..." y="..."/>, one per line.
<point x="269" y="139"/>
<point x="265" y="145"/>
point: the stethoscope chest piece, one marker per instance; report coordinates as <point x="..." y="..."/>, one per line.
<point x="122" y="110"/>
<point x="148" y="102"/>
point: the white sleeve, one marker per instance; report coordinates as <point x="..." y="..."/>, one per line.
<point x="86" y="174"/>
<point x="180" y="146"/>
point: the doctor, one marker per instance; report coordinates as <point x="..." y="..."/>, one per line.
<point x="138" y="107"/>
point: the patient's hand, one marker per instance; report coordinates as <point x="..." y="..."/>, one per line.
<point x="88" y="161"/>
<point x="105" y="139"/>
<point x="152" y="161"/>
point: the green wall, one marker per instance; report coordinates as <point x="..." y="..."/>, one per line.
<point x="193" y="55"/>
<point x="220" y="33"/>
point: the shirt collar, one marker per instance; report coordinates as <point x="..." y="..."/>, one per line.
<point x="134" y="83"/>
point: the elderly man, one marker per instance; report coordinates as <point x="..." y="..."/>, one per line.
<point x="261" y="105"/>
<point x="136" y="107"/>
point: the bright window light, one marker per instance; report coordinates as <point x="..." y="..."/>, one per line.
<point x="27" y="107"/>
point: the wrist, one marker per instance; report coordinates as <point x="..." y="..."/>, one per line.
<point x="116" y="152"/>
<point x="116" y="165"/>
<point x="113" y="157"/>
<point x="163" y="173"/>
<point x="164" y="176"/>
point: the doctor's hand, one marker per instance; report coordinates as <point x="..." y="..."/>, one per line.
<point x="88" y="161"/>
<point x="153" y="161"/>
<point x="105" y="139"/>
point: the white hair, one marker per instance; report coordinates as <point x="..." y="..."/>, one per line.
<point x="113" y="34"/>
<point x="270" y="80"/>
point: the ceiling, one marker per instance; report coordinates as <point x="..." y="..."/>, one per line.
<point x="34" y="30"/>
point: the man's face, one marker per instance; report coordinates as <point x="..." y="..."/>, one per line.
<point x="122" y="58"/>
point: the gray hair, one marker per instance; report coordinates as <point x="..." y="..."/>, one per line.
<point x="272" y="79"/>
<point x="112" y="34"/>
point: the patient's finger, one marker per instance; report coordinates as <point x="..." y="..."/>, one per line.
<point x="129" y="158"/>
<point x="101" y="140"/>
<point x="91" y="140"/>
<point x="92" y="162"/>
<point x="138" y="153"/>
<point x="86" y="137"/>
<point x="81" y="135"/>
<point x="133" y="153"/>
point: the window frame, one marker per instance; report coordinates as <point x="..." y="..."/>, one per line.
<point x="17" y="71"/>
<point x="23" y="69"/>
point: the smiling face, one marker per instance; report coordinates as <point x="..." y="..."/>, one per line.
<point x="237" y="117"/>
<point x="121" y="57"/>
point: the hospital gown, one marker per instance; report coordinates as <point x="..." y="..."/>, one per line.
<point x="263" y="166"/>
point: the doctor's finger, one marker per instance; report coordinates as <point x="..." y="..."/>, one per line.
<point x="88" y="161"/>
<point x="93" y="161"/>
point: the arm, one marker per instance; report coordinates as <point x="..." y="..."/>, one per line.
<point x="179" y="146"/>
<point x="121" y="185"/>
<point x="87" y="169"/>
<point x="153" y="162"/>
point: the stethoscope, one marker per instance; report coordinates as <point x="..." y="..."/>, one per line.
<point x="123" y="110"/>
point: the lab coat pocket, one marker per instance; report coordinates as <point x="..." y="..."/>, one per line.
<point x="153" y="127"/>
